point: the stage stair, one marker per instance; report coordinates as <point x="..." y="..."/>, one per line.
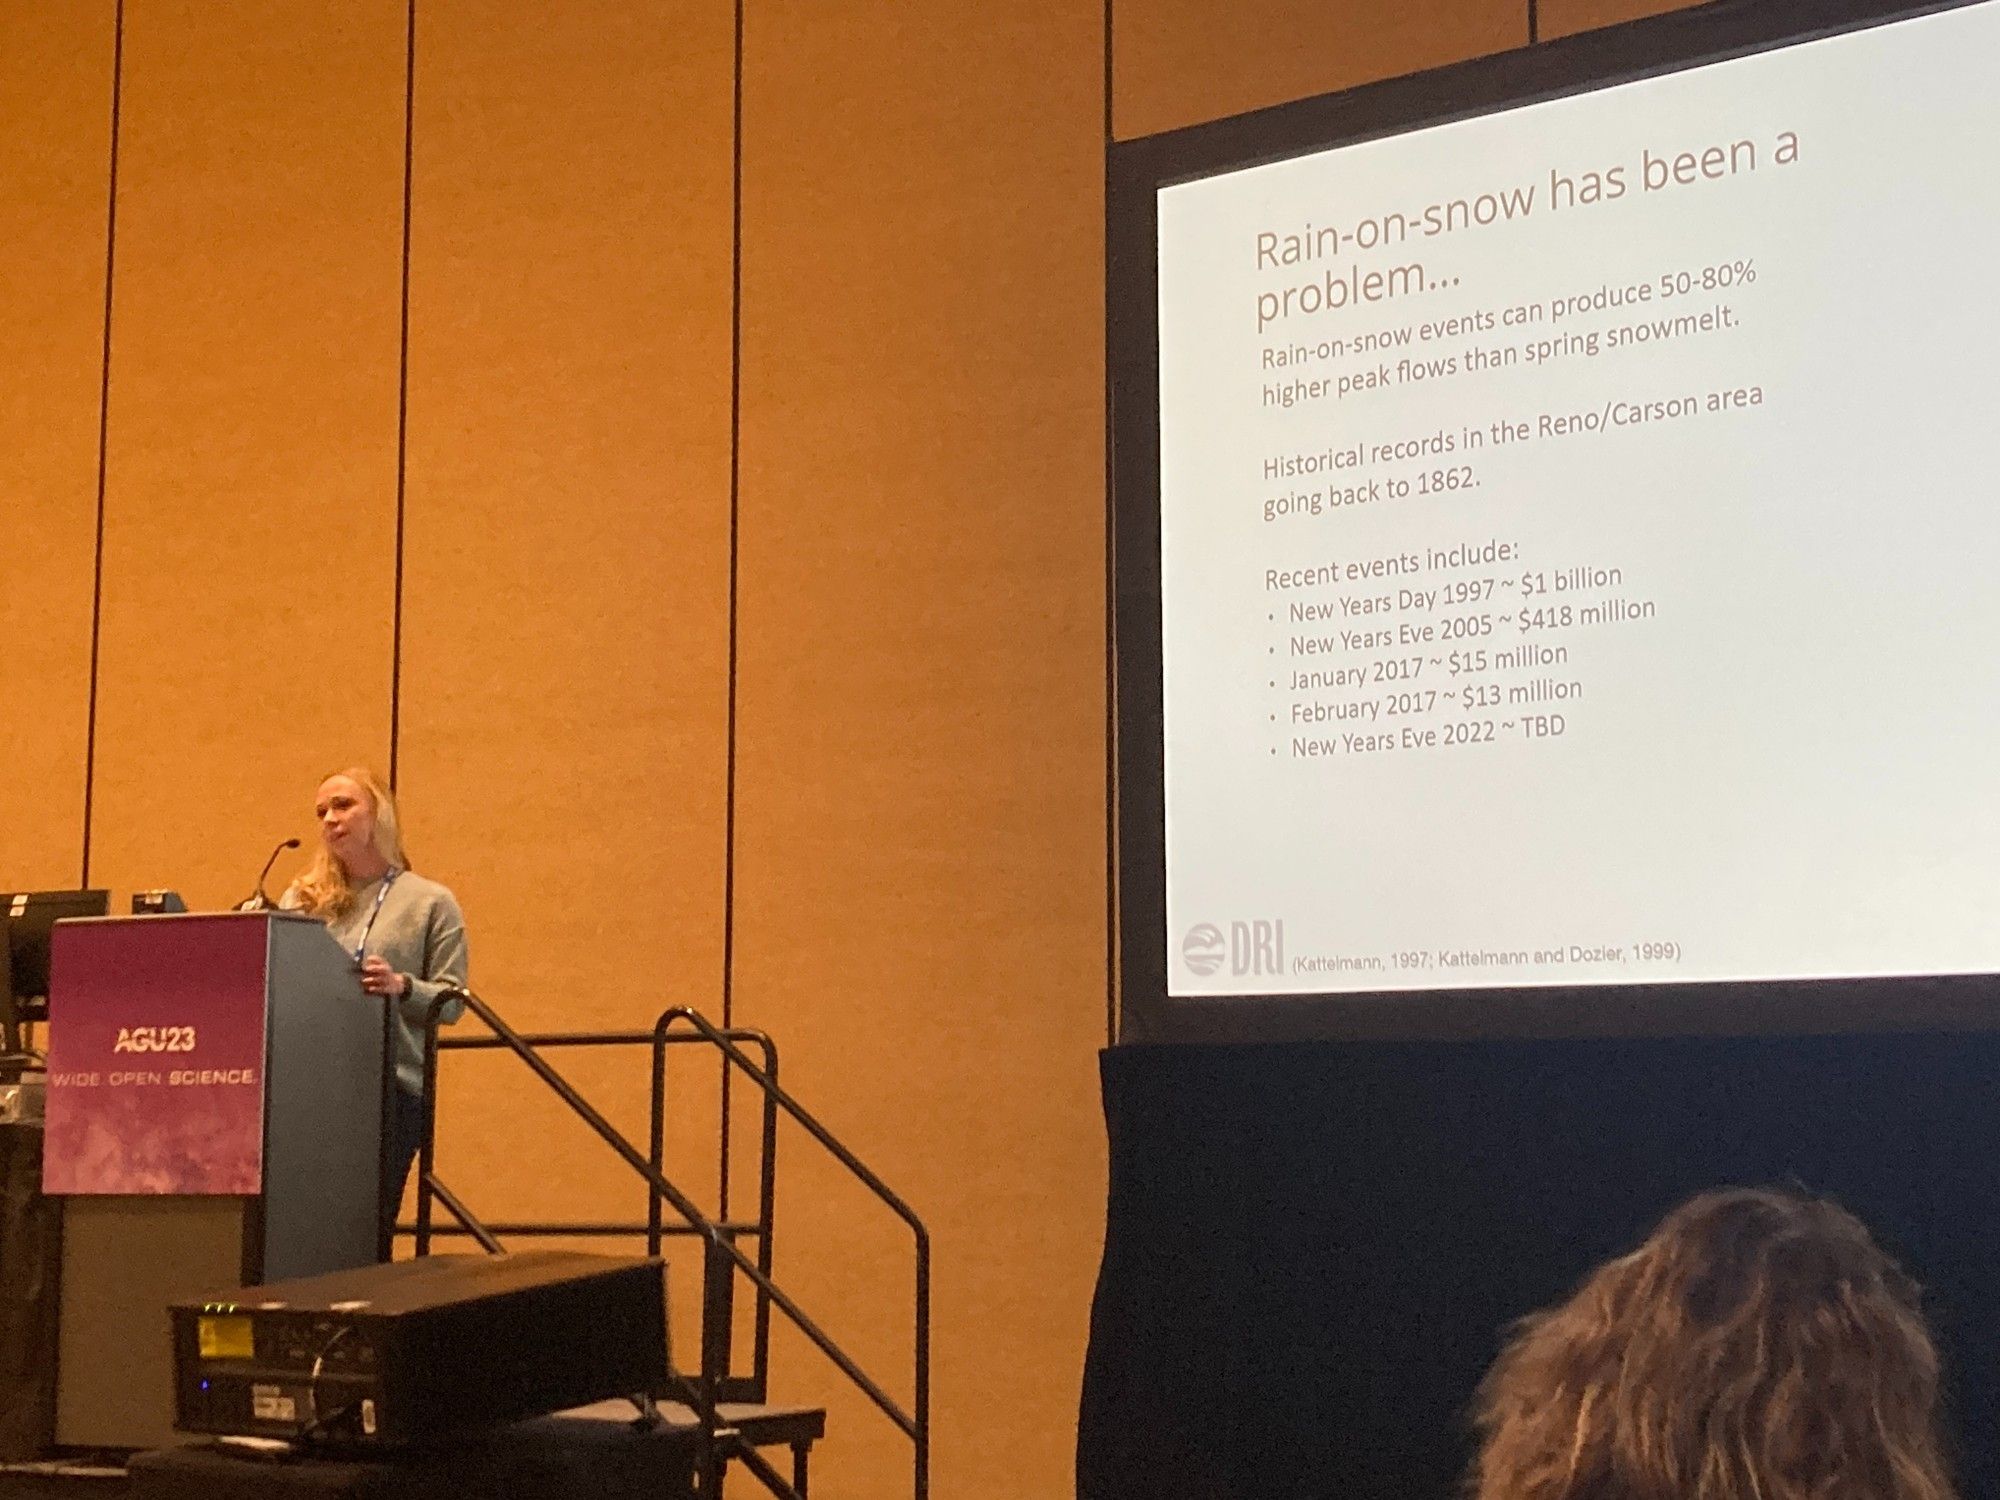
<point x="724" y="1405"/>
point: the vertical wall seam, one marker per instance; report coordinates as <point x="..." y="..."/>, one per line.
<point x="1534" y="23"/>
<point x="1111" y="933"/>
<point x="735" y="498"/>
<point x="103" y="438"/>
<point x="403" y="393"/>
<point x="735" y="517"/>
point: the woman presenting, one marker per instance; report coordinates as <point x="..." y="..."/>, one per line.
<point x="405" y="934"/>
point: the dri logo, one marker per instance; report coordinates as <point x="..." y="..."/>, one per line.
<point x="1252" y="948"/>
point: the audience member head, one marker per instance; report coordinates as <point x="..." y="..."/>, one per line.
<point x="1759" y="1346"/>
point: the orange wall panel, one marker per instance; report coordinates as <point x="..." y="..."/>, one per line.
<point x="564" y="687"/>
<point x="920" y="878"/>
<point x="55" y="162"/>
<point x="1181" y="62"/>
<point x="918" y="788"/>
<point x="1561" y="17"/>
<point x="249" y="550"/>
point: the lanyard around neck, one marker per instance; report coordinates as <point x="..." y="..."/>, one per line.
<point x="381" y="895"/>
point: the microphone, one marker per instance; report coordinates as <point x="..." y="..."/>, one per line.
<point x="261" y="901"/>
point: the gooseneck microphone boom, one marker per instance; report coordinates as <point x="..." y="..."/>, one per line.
<point x="260" y="900"/>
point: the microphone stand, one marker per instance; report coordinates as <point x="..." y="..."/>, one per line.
<point x="260" y="900"/>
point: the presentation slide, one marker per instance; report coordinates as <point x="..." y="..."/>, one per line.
<point x="1578" y="537"/>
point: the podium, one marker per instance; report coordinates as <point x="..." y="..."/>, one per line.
<point x="215" y="1107"/>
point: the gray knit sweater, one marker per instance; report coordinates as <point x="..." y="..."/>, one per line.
<point x="421" y="932"/>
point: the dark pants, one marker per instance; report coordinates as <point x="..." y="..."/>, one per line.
<point x="406" y="1134"/>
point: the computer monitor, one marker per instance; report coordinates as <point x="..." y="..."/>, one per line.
<point x="30" y="916"/>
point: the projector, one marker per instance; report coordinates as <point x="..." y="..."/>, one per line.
<point x="421" y="1349"/>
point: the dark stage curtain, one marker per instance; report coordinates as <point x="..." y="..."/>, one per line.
<point x="1312" y="1249"/>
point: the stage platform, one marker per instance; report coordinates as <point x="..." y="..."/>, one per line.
<point x="597" y="1450"/>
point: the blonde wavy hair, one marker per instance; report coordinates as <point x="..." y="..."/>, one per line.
<point x="1759" y="1346"/>
<point x="326" y="890"/>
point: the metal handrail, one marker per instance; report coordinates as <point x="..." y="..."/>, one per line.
<point x="703" y="1394"/>
<point x="917" y="1427"/>
<point x="467" y="1223"/>
<point x="658" y="1041"/>
<point x="775" y="1482"/>
<point x="654" y="1230"/>
<point x="587" y="1229"/>
<point x="721" y="1257"/>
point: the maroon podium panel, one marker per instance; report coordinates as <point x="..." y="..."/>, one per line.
<point x="157" y="1057"/>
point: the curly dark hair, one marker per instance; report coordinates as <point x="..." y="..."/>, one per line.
<point x="1759" y="1346"/>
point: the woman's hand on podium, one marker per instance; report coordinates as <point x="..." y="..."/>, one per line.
<point x="377" y="978"/>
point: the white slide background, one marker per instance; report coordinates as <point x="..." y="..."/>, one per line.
<point x="1763" y="739"/>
